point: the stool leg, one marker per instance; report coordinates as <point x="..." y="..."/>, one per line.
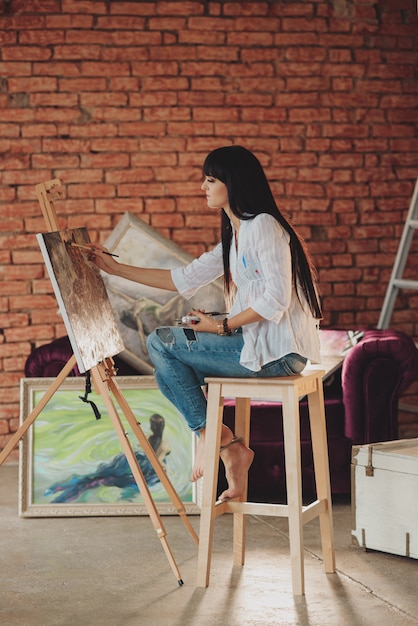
<point x="291" y="430"/>
<point x="322" y="479"/>
<point x="242" y="429"/>
<point x="210" y="479"/>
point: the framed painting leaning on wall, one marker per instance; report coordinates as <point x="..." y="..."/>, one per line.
<point x="140" y="309"/>
<point x="72" y="464"/>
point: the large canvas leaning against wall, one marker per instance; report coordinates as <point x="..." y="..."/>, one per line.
<point x="82" y="298"/>
<point x="140" y="309"/>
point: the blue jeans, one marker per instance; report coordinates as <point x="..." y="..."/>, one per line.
<point x="183" y="358"/>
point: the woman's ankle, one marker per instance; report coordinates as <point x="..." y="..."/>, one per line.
<point x="226" y="435"/>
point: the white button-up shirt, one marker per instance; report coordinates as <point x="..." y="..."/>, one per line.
<point x="261" y="271"/>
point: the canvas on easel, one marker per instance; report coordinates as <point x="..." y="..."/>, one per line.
<point x="82" y="297"/>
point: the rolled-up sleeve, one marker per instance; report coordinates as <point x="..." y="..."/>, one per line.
<point x="200" y="272"/>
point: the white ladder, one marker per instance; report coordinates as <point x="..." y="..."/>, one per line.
<point x="396" y="281"/>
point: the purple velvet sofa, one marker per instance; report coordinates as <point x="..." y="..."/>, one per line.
<point x="361" y="403"/>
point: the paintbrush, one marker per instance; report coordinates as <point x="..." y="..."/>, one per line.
<point x="79" y="245"/>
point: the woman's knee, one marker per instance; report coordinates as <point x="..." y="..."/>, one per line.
<point x="150" y="340"/>
<point x="159" y="338"/>
<point x="153" y="343"/>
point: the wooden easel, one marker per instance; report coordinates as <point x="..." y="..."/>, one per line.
<point x="104" y="382"/>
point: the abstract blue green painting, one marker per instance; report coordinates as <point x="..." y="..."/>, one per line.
<point x="73" y="464"/>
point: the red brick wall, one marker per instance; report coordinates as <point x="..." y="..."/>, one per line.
<point x="122" y="101"/>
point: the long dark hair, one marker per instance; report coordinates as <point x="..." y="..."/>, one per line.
<point x="249" y="195"/>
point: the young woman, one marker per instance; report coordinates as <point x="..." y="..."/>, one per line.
<point x="270" y="284"/>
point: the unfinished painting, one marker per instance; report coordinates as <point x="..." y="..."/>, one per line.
<point x="82" y="297"/>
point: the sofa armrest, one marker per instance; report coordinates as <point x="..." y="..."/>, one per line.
<point x="374" y="373"/>
<point x="49" y="359"/>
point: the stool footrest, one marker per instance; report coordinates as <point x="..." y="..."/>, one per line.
<point x="313" y="510"/>
<point x="309" y="512"/>
<point x="256" y="508"/>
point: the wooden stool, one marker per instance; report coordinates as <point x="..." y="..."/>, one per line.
<point x="288" y="390"/>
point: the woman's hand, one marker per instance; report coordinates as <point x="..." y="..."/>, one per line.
<point x="207" y="323"/>
<point x="152" y="277"/>
<point x="101" y="257"/>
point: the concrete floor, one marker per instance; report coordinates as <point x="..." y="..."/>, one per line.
<point x="113" y="572"/>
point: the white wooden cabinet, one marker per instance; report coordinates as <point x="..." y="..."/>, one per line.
<point x="384" y="484"/>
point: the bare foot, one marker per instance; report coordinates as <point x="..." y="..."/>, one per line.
<point x="197" y="471"/>
<point x="237" y="459"/>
